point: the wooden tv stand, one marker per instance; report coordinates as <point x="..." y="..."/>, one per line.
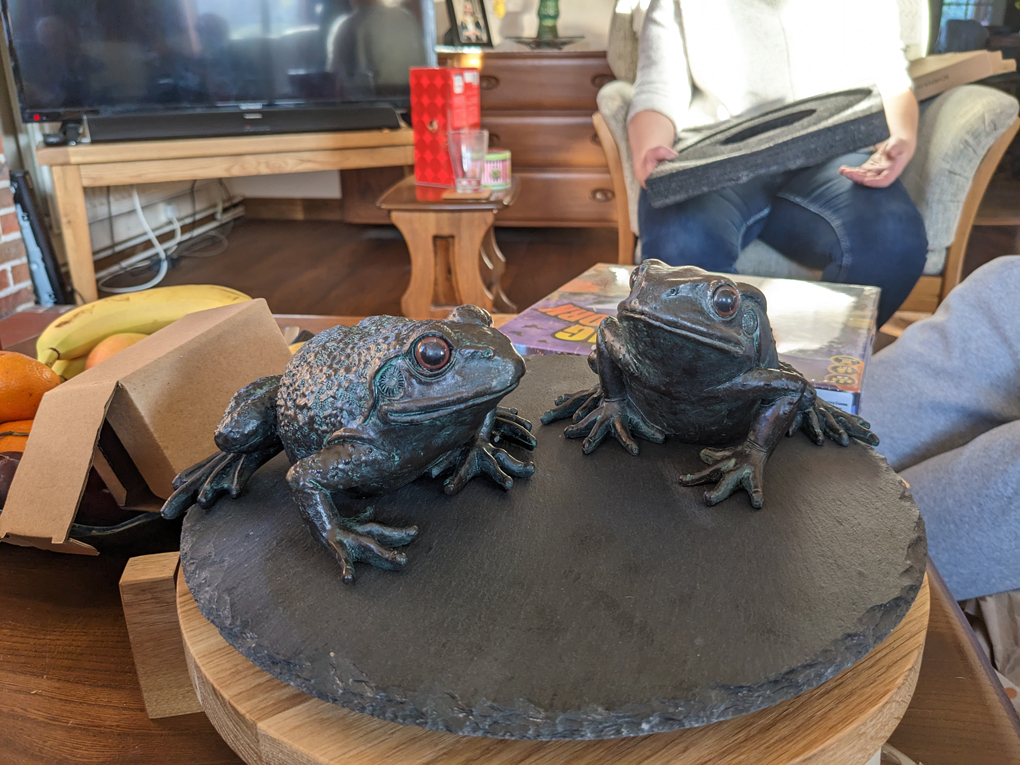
<point x="76" y="168"/>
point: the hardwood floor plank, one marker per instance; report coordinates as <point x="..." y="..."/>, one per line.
<point x="327" y="267"/>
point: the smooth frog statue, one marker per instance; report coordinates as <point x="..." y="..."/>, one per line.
<point x="365" y="410"/>
<point x="691" y="355"/>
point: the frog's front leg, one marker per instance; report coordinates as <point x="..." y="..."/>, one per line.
<point x="822" y="420"/>
<point x="784" y="395"/>
<point x="482" y="456"/>
<point x="336" y="468"/>
<point x="609" y="410"/>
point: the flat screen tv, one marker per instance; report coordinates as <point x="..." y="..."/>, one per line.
<point x="149" y="68"/>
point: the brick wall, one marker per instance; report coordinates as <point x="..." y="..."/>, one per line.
<point x="15" y="283"/>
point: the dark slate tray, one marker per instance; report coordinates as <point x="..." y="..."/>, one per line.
<point x="597" y="599"/>
<point x="801" y="134"/>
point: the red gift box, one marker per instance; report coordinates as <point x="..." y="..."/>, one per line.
<point x="442" y="99"/>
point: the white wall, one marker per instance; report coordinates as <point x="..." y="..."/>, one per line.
<point x="320" y="185"/>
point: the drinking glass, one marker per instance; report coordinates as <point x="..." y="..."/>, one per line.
<point x="467" y="150"/>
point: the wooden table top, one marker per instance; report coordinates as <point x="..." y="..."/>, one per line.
<point x="69" y="694"/>
<point x="408" y="196"/>
<point x="183" y="148"/>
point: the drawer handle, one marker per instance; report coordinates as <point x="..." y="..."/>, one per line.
<point x="488" y="82"/>
<point x="601" y="79"/>
<point x="602" y="195"/>
<point x="595" y="139"/>
<point x="493" y="138"/>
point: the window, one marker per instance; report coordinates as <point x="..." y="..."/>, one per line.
<point x="960" y="9"/>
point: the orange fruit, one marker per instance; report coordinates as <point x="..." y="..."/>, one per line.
<point x="23" y="381"/>
<point x="112" y="345"/>
<point x="9" y="442"/>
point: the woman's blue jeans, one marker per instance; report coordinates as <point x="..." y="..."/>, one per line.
<point x="851" y="233"/>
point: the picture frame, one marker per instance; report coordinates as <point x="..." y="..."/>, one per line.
<point x="469" y="26"/>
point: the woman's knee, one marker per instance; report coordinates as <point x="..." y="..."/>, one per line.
<point x="690" y="233"/>
<point x="860" y="234"/>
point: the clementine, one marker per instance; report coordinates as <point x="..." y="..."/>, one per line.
<point x="112" y="345"/>
<point x="14" y="435"/>
<point x="23" y="381"/>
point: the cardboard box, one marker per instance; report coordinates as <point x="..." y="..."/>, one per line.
<point x="936" y="74"/>
<point x="442" y="99"/>
<point x="161" y="400"/>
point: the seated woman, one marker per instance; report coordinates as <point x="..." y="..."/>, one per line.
<point x="702" y="63"/>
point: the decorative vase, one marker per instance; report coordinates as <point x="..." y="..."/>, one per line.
<point x="548" y="13"/>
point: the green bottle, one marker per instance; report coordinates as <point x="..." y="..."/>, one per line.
<point x="548" y="13"/>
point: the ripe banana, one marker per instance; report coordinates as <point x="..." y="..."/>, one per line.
<point x="75" y="333"/>
<point x="68" y="368"/>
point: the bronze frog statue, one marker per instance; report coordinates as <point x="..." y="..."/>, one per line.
<point x="365" y="410"/>
<point x="691" y="355"/>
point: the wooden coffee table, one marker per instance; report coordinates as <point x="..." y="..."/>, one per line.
<point x="454" y="257"/>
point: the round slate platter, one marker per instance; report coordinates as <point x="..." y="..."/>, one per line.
<point x="597" y="599"/>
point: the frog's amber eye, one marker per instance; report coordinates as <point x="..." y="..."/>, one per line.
<point x="432" y="353"/>
<point x="726" y="301"/>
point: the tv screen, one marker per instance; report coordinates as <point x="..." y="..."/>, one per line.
<point x="75" y="57"/>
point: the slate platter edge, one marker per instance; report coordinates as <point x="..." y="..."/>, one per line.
<point x="526" y="721"/>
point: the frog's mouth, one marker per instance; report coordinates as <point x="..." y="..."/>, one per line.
<point x="690" y="330"/>
<point x="422" y="410"/>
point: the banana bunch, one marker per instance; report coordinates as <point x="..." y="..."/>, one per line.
<point x="67" y="341"/>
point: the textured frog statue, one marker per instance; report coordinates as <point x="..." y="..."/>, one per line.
<point x="365" y="410"/>
<point x="691" y="355"/>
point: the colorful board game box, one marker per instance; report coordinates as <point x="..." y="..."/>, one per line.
<point x="824" y="330"/>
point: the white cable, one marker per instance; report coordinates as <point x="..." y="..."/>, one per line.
<point x="164" y="264"/>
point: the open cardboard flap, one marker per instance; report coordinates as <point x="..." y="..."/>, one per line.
<point x="163" y="398"/>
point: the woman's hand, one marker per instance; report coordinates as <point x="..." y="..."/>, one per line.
<point x="651" y="134"/>
<point x="884" y="166"/>
<point x="652" y="158"/>
<point x="892" y="155"/>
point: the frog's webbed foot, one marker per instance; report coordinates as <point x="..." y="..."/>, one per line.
<point x="353" y="540"/>
<point x="616" y="416"/>
<point x="206" y="482"/>
<point x="731" y="468"/>
<point x="485" y="458"/>
<point x="509" y="425"/>
<point x="577" y="405"/>
<point x="247" y="439"/>
<point x="825" y="420"/>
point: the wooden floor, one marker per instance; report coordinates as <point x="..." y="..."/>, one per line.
<point x="328" y="267"/>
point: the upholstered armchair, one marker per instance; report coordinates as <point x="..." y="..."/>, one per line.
<point x="962" y="136"/>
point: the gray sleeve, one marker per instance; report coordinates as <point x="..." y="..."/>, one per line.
<point x="952" y="377"/>
<point x="663" y="82"/>
<point x="970" y="501"/>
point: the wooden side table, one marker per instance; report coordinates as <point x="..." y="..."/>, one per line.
<point x="454" y="257"/>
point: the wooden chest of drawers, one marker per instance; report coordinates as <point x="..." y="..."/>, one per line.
<point x="538" y="104"/>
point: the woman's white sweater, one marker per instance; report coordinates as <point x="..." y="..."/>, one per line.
<point x="704" y="61"/>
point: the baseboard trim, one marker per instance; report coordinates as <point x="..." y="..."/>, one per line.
<point x="282" y="208"/>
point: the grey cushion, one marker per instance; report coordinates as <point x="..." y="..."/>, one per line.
<point x="956" y="130"/>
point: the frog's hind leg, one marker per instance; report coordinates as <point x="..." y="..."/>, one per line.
<point x="313" y="480"/>
<point x="247" y="439"/>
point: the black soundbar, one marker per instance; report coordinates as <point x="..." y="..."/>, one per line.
<point x="147" y="127"/>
